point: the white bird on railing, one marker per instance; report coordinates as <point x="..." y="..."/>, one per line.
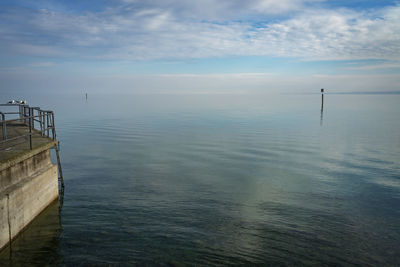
<point x="22" y="102"/>
<point x="11" y="102"/>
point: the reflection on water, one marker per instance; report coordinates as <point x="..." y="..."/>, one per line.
<point x="37" y="245"/>
<point x="217" y="180"/>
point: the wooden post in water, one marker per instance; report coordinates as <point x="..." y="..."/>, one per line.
<point x="322" y="106"/>
<point x="322" y="103"/>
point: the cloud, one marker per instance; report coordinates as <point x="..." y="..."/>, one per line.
<point x="374" y="67"/>
<point x="323" y="34"/>
<point x="277" y="7"/>
<point x="42" y="64"/>
<point x="177" y="29"/>
<point x="220" y="10"/>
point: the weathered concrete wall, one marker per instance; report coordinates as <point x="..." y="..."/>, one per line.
<point x="37" y="244"/>
<point x="27" y="187"/>
<point x="24" y="168"/>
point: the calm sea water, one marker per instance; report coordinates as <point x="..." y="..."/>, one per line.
<point x="222" y="180"/>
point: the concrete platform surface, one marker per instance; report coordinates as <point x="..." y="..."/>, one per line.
<point x="15" y="149"/>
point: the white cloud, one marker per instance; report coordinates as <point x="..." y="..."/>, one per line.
<point x="220" y="10"/>
<point x="373" y="67"/>
<point x="277" y="7"/>
<point x="186" y="29"/>
<point x="41" y="50"/>
<point x="42" y="64"/>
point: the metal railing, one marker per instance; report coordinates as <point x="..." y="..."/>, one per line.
<point x="38" y="122"/>
<point x="36" y="119"/>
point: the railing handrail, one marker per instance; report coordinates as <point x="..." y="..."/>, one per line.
<point x="27" y="116"/>
<point x="46" y="121"/>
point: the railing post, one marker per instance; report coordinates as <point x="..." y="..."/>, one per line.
<point x="47" y="126"/>
<point x="40" y="122"/>
<point x="53" y="126"/>
<point x="44" y="122"/>
<point x="25" y="113"/>
<point x="20" y="111"/>
<point x="4" y="131"/>
<point x="30" y="127"/>
<point x="33" y="118"/>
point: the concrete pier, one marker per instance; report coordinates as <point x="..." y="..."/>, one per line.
<point x="28" y="182"/>
<point x="37" y="245"/>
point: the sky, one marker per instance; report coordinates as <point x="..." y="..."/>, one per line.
<point x="207" y="46"/>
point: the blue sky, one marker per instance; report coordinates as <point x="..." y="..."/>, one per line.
<point x="199" y="46"/>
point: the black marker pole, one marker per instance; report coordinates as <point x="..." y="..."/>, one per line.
<point x="322" y="105"/>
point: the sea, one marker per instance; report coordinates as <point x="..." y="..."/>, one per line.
<point x="220" y="180"/>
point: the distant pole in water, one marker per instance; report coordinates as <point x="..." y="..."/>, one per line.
<point x="322" y="103"/>
<point x="86" y="96"/>
<point x="322" y="106"/>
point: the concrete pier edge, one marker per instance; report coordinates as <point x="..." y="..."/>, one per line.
<point x="25" y="155"/>
<point x="28" y="184"/>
